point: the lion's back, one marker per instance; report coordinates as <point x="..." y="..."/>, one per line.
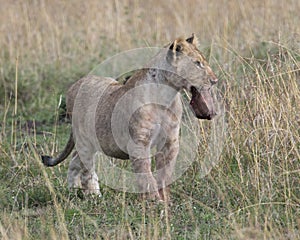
<point x="85" y="91"/>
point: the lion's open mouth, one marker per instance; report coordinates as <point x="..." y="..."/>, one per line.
<point x="202" y="104"/>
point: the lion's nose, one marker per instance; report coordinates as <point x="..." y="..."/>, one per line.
<point x="212" y="77"/>
<point x="213" y="80"/>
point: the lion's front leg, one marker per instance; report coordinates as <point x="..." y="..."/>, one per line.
<point x="141" y="162"/>
<point x="165" y="163"/>
<point x="146" y="183"/>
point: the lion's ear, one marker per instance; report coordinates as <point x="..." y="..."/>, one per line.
<point x="175" y="47"/>
<point x="193" y="39"/>
<point x="171" y="55"/>
<point x="173" y="51"/>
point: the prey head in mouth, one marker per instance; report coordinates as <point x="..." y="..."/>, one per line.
<point x="202" y="103"/>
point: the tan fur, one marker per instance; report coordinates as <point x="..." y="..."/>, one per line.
<point x="92" y="100"/>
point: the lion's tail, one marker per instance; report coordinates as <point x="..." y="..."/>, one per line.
<point x="51" y="162"/>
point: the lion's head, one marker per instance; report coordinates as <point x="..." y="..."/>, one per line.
<point x="190" y="71"/>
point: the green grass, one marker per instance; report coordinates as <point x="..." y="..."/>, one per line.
<point x="253" y="193"/>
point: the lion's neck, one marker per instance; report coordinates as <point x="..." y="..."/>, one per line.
<point x="156" y="71"/>
<point x="148" y="76"/>
<point x="152" y="86"/>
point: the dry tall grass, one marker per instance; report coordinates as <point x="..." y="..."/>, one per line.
<point x="50" y="31"/>
<point x="252" y="45"/>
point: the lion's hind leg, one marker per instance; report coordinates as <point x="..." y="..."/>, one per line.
<point x="74" y="172"/>
<point x="89" y="178"/>
<point x="82" y="175"/>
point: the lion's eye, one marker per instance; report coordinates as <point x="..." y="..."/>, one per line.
<point x="200" y="64"/>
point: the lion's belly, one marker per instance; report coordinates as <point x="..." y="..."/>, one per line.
<point x="114" y="151"/>
<point x="108" y="132"/>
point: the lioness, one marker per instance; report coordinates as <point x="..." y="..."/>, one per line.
<point x="92" y="103"/>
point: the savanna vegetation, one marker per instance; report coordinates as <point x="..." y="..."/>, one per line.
<point x="253" y="47"/>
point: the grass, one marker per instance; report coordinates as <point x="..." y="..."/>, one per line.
<point x="253" y="46"/>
